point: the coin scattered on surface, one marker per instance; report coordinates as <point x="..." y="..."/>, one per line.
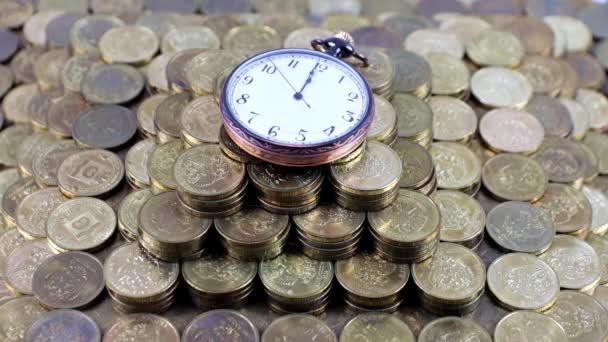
<point x="213" y="324"/>
<point x="64" y="325"/>
<point x="299" y="328"/>
<point x="462" y="218"/>
<point x="111" y="84"/>
<point x="456" y="327"/>
<point x="378" y="326"/>
<point x="128" y="44"/>
<point x="34" y="210"/>
<point x="16" y="317"/>
<point x="513" y="177"/>
<point x="89" y="173"/>
<point x="146" y="326"/>
<point x="21" y="263"/>
<point x="107" y="127"/>
<point x="531" y="324"/>
<point x="501" y="87"/>
<point x="572" y="308"/>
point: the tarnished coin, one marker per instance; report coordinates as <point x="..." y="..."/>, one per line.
<point x="128" y="212"/>
<point x="203" y="68"/>
<point x="532" y="325"/>
<point x="156" y="72"/>
<point x="112" y="84"/>
<point x="412" y="72"/>
<point x="425" y="41"/>
<point x="579" y="116"/>
<point x="599" y="144"/>
<point x="458" y="283"/>
<point x="205" y="172"/>
<point x="462" y="217"/>
<point x="34" y="210"/>
<point x="29" y="147"/>
<point x="136" y="163"/>
<point x="296" y="277"/>
<point x="458" y="329"/>
<point x="74" y="70"/>
<point x="510" y="130"/>
<point x="377" y="327"/>
<point x="39" y="107"/>
<point x="63" y="112"/>
<point x="600" y="245"/>
<point x="81" y="224"/>
<point x="23" y="62"/>
<point x="535" y="35"/>
<point x="106" y="126"/>
<point x="146" y="112"/>
<point x="143" y="326"/>
<point x="160" y="165"/>
<point x="567" y="208"/>
<point x="298" y="328"/>
<point x="46" y="162"/>
<point x="543" y="73"/>
<point x="16" y="102"/>
<point x="252" y="38"/>
<point x="599" y="205"/>
<point x="128" y="44"/>
<point x="18" y="314"/>
<point x="405" y="23"/>
<point x="522" y="281"/>
<point x="589" y="70"/>
<point x="58" y="29"/>
<point x="582" y="316"/>
<point x="6" y="79"/>
<point x="417" y="163"/>
<point x="8" y="177"/>
<point x="130" y="272"/>
<point x="576" y="263"/>
<point x="371" y="277"/>
<point x="13" y="196"/>
<point x="450" y="76"/>
<point x="189" y="37"/>
<point x="9" y="138"/>
<point x="501" y="87"/>
<point x="48" y="67"/>
<point x="597" y="107"/>
<point x="68" y="281"/>
<point x="453" y="119"/>
<point x="201" y="121"/>
<point x="90" y="173"/>
<point x="456" y="166"/>
<point x="86" y="32"/>
<point x="414" y="116"/>
<point x="495" y="48"/>
<point x="514" y="178"/>
<point x="564" y="161"/>
<point x="520" y="227"/>
<point x="9" y="241"/>
<point x="18" y="272"/>
<point x="218" y="274"/>
<point x="167" y="117"/>
<point x="329" y="222"/>
<point x="34" y="29"/>
<point x="8" y="44"/>
<point x="64" y="325"/>
<point x="214" y="325"/>
<point x="553" y="115"/>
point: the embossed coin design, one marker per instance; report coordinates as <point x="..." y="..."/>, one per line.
<point x="18" y="272"/>
<point x="462" y="218"/>
<point x="128" y="44"/>
<point x="567" y="208"/>
<point x="376" y="326"/>
<point x="17" y="315"/>
<point x="214" y="326"/>
<point x="582" y="316"/>
<point x="508" y="130"/>
<point x="34" y="210"/>
<point x="298" y="328"/>
<point x="512" y="177"/>
<point x="89" y="173"/>
<point x="459" y="329"/>
<point x="64" y="325"/>
<point x="501" y="87"/>
<point x="150" y="327"/>
<point x="533" y="325"/>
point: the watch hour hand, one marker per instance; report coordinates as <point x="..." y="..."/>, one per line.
<point x="298" y="95"/>
<point x="289" y="83"/>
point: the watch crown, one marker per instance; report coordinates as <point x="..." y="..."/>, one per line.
<point x="345" y="36"/>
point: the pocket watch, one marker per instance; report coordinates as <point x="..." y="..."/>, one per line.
<point x="299" y="107"/>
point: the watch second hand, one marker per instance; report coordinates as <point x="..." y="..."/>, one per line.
<point x="286" y="80"/>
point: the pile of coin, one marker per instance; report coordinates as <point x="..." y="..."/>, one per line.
<point x="295" y="283"/>
<point x="369" y="183"/>
<point x="371" y="283"/>
<point x="380" y="74"/>
<point x="284" y="190"/>
<point x="418" y="169"/>
<point x="253" y="234"/>
<point x="408" y="230"/>
<point x="414" y="119"/>
<point x="384" y="125"/>
<point x="219" y="281"/>
<point x="209" y="184"/>
<point x="138" y="282"/>
<point x="329" y="232"/>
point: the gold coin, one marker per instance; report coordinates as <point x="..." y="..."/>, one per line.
<point x="160" y="165"/>
<point x="218" y="274"/>
<point x="599" y="203"/>
<point x="579" y="116"/>
<point x="298" y="328"/>
<point x="86" y="32"/>
<point x="344" y="22"/>
<point x="462" y="217"/>
<point x="568" y="208"/>
<point x="18" y="272"/>
<point x="501" y="87"/>
<point x="600" y="245"/>
<point x="13" y="196"/>
<point x="466" y="28"/>
<point x="417" y="164"/>
<point x="512" y="177"/>
<point x="301" y="38"/>
<point x="128" y="44"/>
<point x="90" y="173"/>
<point x="377" y="326"/>
<point x="189" y="37"/>
<point x="33" y="212"/>
<point x="156" y="72"/>
<point x="167" y="117"/>
<point x="282" y="22"/>
<point x="511" y="130"/>
<point x="570" y="84"/>
<point x="329" y="222"/>
<point x="577" y="35"/>
<point x="544" y="73"/>
<point x="425" y="41"/>
<point x="414" y="116"/>
<point x="597" y="107"/>
<point x="10" y="137"/>
<point x="253" y="38"/>
<point x="203" y="68"/>
<point x="252" y="228"/>
<point x="128" y="212"/>
<point x="450" y="75"/>
<point x="456" y="166"/>
<point x="385" y="120"/>
<point x="46" y="162"/>
<point x="29" y="147"/>
<point x="460" y="328"/>
<point x="146" y="112"/>
<point x="571" y="307"/>
<point x="136" y="163"/>
<point x="495" y="48"/>
<point x="531" y="324"/>
<point x="201" y="121"/>
<point x="16" y="102"/>
<point x="380" y="73"/>
<point x="598" y="143"/>
<point x="453" y="119"/>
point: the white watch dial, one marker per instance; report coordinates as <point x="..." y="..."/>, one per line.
<point x="293" y="97"/>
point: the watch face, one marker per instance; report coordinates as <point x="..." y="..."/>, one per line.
<point x="296" y="97"/>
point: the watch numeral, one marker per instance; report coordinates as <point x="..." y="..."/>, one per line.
<point x="247" y="80"/>
<point x="243" y="99"/>
<point x="293" y="64"/>
<point x="349" y="116"/>
<point x="341" y="79"/>
<point x="269" y="69"/>
<point x="301" y="136"/>
<point x="273" y="131"/>
<point x="254" y="115"/>
<point x="329" y="130"/>
<point x="322" y="67"/>
<point x="352" y="96"/>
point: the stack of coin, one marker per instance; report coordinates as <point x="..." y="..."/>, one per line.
<point x="253" y="234"/>
<point x="218" y="281"/>
<point x="209" y="184"/>
<point x="168" y="231"/>
<point x="380" y="74"/>
<point x="457" y="166"/>
<point x="414" y="119"/>
<point x="371" y="283"/>
<point x="329" y="232"/>
<point x="462" y="218"/>
<point x="384" y="125"/>
<point x="413" y="72"/>
<point x="369" y="183"/>
<point x="408" y="230"/>
<point x="418" y="169"/>
<point x="451" y="282"/>
<point x="296" y="283"/>
<point x="284" y="190"/>
<point x="138" y="282"/>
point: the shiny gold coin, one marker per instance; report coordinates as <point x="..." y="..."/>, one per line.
<point x="216" y="275"/>
<point x="253" y="38"/>
<point x="414" y="116"/>
<point x="568" y="208"/>
<point x="252" y="228"/>
<point x="203" y="68"/>
<point x="160" y="165"/>
<point x="90" y="173"/>
<point x="513" y="177"/>
<point x="495" y="48"/>
<point x="450" y="75"/>
<point x="501" y="87"/>
<point x="425" y="41"/>
<point x="329" y="223"/>
<point x="385" y="120"/>
<point x="128" y="44"/>
<point x="456" y="166"/>
<point x="201" y="121"/>
<point x="189" y="37"/>
<point x="453" y="119"/>
<point x="462" y="217"/>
